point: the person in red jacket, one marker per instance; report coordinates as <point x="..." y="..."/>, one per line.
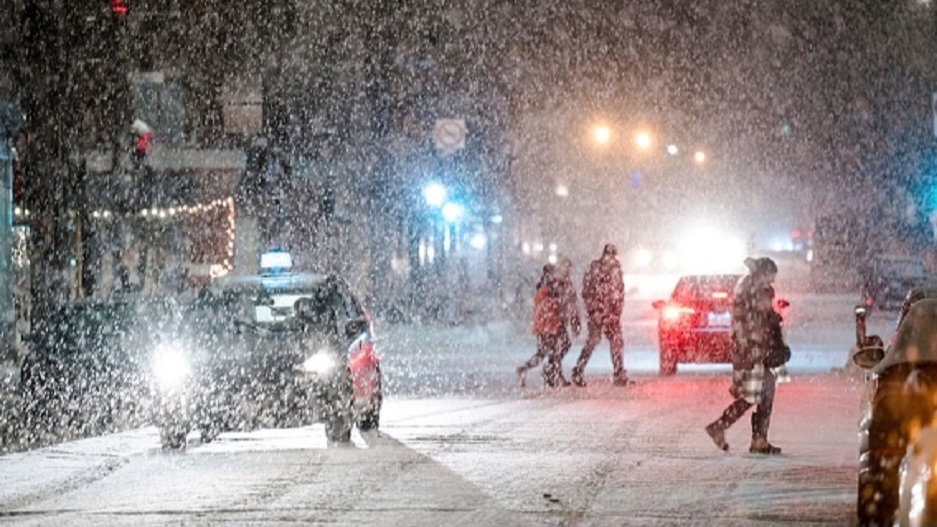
<point x="550" y="329"/>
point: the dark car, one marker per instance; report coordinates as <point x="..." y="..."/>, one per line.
<point x="270" y="351"/>
<point x="899" y="399"/>
<point x="887" y="280"/>
<point x="87" y="367"/>
<point x="695" y="324"/>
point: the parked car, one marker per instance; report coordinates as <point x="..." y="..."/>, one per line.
<point x="270" y="350"/>
<point x="86" y="370"/>
<point x="899" y="399"/>
<point x="887" y="280"/>
<point x="695" y="324"/>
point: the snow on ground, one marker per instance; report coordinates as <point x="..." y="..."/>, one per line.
<point x="463" y="445"/>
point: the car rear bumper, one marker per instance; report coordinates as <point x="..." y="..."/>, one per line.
<point x="701" y="346"/>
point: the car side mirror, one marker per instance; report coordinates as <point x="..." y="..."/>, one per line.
<point x="354" y="328"/>
<point x="867" y="357"/>
<point x="657" y="304"/>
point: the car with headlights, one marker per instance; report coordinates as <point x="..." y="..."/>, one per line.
<point x="86" y="369"/>
<point x="695" y="323"/>
<point x="270" y="350"/>
<point x="899" y="399"/>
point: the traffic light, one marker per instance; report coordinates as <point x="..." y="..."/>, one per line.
<point x="119" y="7"/>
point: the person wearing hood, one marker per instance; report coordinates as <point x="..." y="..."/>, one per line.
<point x="603" y="293"/>
<point x="755" y="335"/>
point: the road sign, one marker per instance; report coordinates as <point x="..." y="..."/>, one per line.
<point x="449" y="134"/>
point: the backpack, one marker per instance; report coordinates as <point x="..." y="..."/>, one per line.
<point x="546" y="311"/>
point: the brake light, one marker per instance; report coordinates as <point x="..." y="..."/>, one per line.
<point x="720" y="294"/>
<point x="675" y="312"/>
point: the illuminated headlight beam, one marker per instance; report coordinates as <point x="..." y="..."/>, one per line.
<point x="321" y="363"/>
<point x="170" y="366"/>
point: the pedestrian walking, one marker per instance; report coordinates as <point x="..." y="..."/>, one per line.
<point x="549" y="329"/>
<point x="603" y="293"/>
<point x="570" y="321"/>
<point x="758" y="352"/>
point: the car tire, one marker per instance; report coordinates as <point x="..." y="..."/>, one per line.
<point x="371" y="417"/>
<point x="339" y="417"/>
<point x="668" y="362"/>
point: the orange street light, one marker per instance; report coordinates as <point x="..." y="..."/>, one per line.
<point x="602" y="134"/>
<point x="699" y="157"/>
<point x="644" y="140"/>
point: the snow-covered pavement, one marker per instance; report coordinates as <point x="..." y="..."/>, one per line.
<point x="461" y="444"/>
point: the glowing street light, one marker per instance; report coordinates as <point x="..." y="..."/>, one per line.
<point x="602" y="134"/>
<point x="562" y="191"/>
<point x="673" y="150"/>
<point x="452" y="212"/>
<point x="434" y="194"/>
<point x="699" y="157"/>
<point x="643" y="140"/>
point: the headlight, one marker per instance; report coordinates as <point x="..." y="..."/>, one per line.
<point x="321" y="362"/>
<point x="170" y="366"/>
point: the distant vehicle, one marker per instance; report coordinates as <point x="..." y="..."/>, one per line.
<point x="887" y="280"/>
<point x="900" y="397"/>
<point x="275" y="349"/>
<point x="695" y="324"/>
<point x="86" y="371"/>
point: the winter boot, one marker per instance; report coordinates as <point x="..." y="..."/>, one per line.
<point x="521" y="376"/>
<point x="718" y="434"/>
<point x="760" y="445"/>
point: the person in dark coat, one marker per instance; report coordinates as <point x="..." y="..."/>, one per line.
<point x="603" y="292"/>
<point x="755" y="333"/>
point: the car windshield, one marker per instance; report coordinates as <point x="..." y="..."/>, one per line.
<point x="274" y="310"/>
<point x="704" y="288"/>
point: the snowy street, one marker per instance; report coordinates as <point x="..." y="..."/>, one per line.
<point x="461" y="444"/>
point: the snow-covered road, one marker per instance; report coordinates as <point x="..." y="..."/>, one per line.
<point x="461" y="444"/>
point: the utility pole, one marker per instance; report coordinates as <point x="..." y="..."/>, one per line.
<point x="47" y="171"/>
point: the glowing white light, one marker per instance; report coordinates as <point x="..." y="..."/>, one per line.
<point x="562" y="191"/>
<point x="452" y="212"/>
<point x="497" y="218"/>
<point x="552" y="258"/>
<point x="525" y="248"/>
<point x="699" y="156"/>
<point x="322" y="362"/>
<point x="170" y="366"/>
<point x="673" y="150"/>
<point x="712" y="251"/>
<point x="669" y="259"/>
<point x="642" y="258"/>
<point x="434" y="194"/>
<point x="478" y="241"/>
<point x="276" y="260"/>
<point x="643" y="140"/>
<point x="602" y="134"/>
<point x="538" y="247"/>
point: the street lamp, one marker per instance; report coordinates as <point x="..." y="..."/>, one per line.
<point x="699" y="157"/>
<point x="434" y="194"/>
<point x="673" y="150"/>
<point x="602" y="134"/>
<point x="452" y="212"/>
<point x="644" y="140"/>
